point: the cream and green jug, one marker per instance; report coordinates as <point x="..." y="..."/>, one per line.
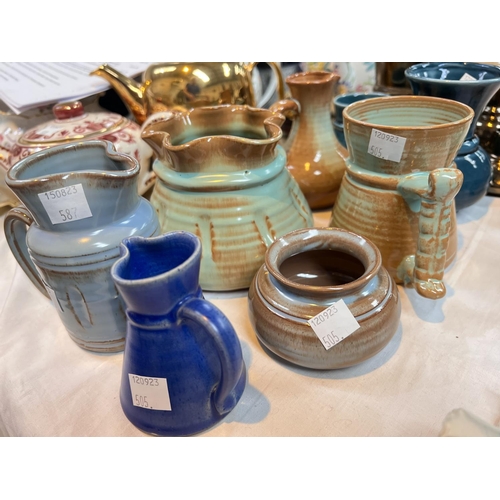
<point x="221" y="174"/>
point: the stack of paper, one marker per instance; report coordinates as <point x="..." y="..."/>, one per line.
<point x="27" y="85"/>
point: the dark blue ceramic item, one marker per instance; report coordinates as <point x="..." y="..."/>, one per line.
<point x="177" y="342"/>
<point x="473" y="84"/>
<point x="341" y="102"/>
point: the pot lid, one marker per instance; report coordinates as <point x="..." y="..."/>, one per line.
<point x="71" y="123"/>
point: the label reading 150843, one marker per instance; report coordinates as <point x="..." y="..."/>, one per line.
<point x="386" y="146"/>
<point x="66" y="204"/>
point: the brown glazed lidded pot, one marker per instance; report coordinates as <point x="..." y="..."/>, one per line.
<point x="305" y="272"/>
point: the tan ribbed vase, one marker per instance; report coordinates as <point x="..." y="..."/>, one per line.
<point x="405" y="207"/>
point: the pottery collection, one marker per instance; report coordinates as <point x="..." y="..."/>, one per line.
<point x="473" y="84"/>
<point x="230" y="207"/>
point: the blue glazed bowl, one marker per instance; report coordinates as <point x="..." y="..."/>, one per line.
<point x="341" y="102"/>
<point x="473" y="84"/>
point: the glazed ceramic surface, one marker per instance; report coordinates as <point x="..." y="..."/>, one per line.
<point x="473" y="84"/>
<point x="183" y="86"/>
<point x="390" y="78"/>
<point x="354" y="76"/>
<point x="68" y="255"/>
<point x="176" y="341"/>
<point x="305" y="272"/>
<point x="222" y="176"/>
<point x="488" y="131"/>
<point x="340" y="102"/>
<point x="405" y="207"/>
<point x="311" y="147"/>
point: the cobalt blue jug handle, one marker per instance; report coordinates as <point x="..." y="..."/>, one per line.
<point x="227" y="344"/>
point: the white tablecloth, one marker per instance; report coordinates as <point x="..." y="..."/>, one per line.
<point x="445" y="355"/>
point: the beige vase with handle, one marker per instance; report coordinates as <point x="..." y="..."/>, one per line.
<point x="312" y="148"/>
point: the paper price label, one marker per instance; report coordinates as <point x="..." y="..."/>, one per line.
<point x="468" y="78"/>
<point x="149" y="392"/>
<point x="66" y="204"/>
<point x="386" y="146"/>
<point x="334" y="324"/>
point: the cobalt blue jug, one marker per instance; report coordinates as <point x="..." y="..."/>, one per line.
<point x="183" y="369"/>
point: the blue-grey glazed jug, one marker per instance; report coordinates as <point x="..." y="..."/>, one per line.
<point x="183" y="369"/>
<point x="80" y="201"/>
<point x="473" y="84"/>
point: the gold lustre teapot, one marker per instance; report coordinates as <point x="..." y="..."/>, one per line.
<point x="183" y="86"/>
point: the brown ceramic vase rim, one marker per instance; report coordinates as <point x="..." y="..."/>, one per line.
<point x="272" y="122"/>
<point x="312" y="77"/>
<point x="293" y="243"/>
<point x="12" y="177"/>
<point x="412" y="101"/>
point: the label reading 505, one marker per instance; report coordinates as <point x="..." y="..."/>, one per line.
<point x="334" y="324"/>
<point x="149" y="392"/>
<point x="66" y="204"/>
<point x="386" y="146"/>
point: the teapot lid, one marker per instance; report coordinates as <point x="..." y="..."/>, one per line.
<point x="71" y="123"/>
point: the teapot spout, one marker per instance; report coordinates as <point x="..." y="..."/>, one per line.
<point x="132" y="94"/>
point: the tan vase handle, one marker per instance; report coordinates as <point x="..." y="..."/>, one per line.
<point x="289" y="108"/>
<point x="16" y="224"/>
<point x="436" y="191"/>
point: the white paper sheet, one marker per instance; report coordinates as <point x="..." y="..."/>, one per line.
<point x="27" y="85"/>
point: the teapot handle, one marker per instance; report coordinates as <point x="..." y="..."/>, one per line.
<point x="436" y="191"/>
<point x="16" y="224"/>
<point x="280" y="84"/>
<point x="228" y="347"/>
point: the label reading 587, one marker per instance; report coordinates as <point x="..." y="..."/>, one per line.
<point x="66" y="204"/>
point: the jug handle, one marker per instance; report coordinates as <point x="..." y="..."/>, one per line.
<point x="16" y="223"/>
<point x="436" y="191"/>
<point x="227" y="344"/>
<point x="280" y="84"/>
<point x="290" y="108"/>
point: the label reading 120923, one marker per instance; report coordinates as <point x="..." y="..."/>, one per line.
<point x="150" y="393"/>
<point x="334" y="324"/>
<point x="386" y="146"/>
